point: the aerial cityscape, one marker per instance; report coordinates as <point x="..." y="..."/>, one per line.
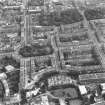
<point x="52" y="52"/>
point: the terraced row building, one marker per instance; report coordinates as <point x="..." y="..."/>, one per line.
<point x="49" y="50"/>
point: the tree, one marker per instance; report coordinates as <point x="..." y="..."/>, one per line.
<point x="23" y="97"/>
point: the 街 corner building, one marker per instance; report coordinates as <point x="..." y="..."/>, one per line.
<point x="52" y="52"/>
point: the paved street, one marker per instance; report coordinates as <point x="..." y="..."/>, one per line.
<point x="56" y="45"/>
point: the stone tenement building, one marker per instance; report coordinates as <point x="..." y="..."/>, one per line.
<point x="52" y="52"/>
